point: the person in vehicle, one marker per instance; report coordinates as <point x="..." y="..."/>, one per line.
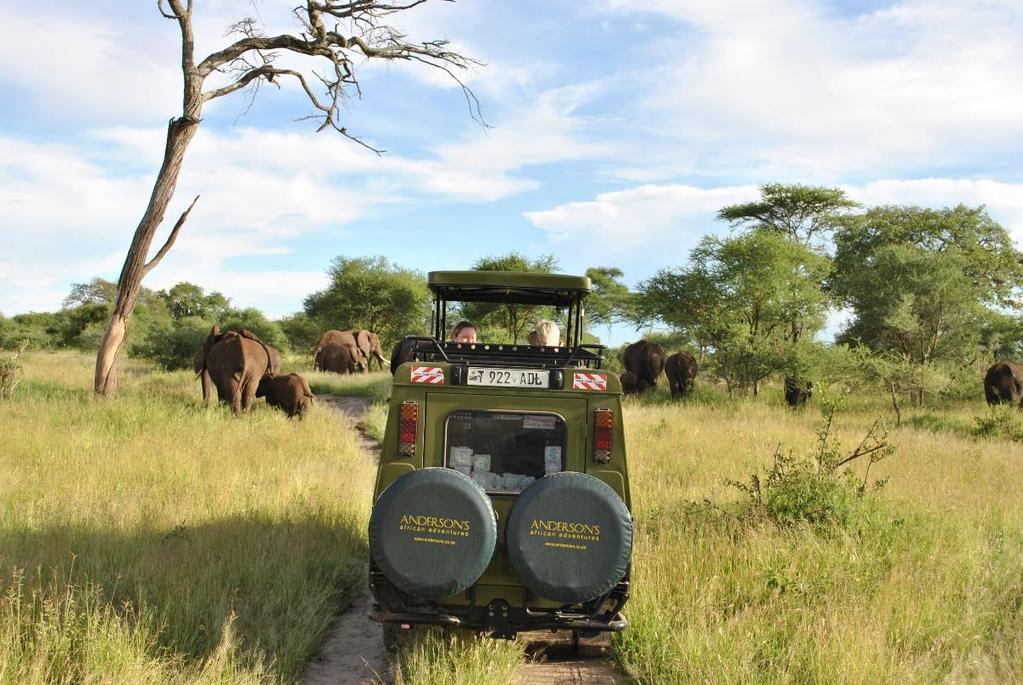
<point x="464" y="332"/>
<point x="545" y="334"/>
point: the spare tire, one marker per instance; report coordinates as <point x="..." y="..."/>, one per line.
<point x="569" y="537"/>
<point x="432" y="532"/>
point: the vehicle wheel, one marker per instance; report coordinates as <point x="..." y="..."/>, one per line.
<point x="591" y="644"/>
<point x="433" y="532"/>
<point x="569" y="537"/>
<point x="396" y="637"/>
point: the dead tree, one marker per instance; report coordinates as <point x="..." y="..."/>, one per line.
<point x="340" y="34"/>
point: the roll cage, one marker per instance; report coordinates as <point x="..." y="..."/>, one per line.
<point x="504" y="287"/>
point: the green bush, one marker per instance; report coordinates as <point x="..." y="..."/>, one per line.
<point x="174" y="346"/>
<point x="1001" y="422"/>
<point x="814" y="490"/>
<point x="39" y="329"/>
<point x="252" y="319"/>
<point x="301" y="331"/>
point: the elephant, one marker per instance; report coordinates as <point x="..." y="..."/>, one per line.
<point x="336" y="357"/>
<point x="345" y="338"/>
<point x="376" y="350"/>
<point x="797" y="392"/>
<point x="363" y="343"/>
<point x="628" y="380"/>
<point x="401" y="353"/>
<point x="234" y="362"/>
<point x="646" y="360"/>
<point x="370" y="348"/>
<point x="290" y="393"/>
<point x="1003" y="384"/>
<point x="680" y="368"/>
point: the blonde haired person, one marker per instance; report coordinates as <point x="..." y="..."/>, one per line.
<point x="546" y="334"/>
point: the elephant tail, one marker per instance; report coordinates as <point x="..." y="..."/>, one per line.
<point x="266" y="351"/>
<point x="306" y="390"/>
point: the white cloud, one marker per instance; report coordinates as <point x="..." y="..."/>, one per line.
<point x="659" y="222"/>
<point x="76" y="68"/>
<point x="1003" y="200"/>
<point x="71" y="207"/>
<point x="656" y="225"/>
<point x="780" y="88"/>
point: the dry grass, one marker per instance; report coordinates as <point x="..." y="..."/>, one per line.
<point x="924" y="587"/>
<point x="151" y="540"/>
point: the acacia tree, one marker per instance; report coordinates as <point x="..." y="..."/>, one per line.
<point x="806" y="214"/>
<point x="736" y="297"/>
<point x="339" y="34"/>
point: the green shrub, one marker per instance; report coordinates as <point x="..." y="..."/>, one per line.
<point x="1002" y="422"/>
<point x="816" y="489"/>
<point x="252" y="319"/>
<point x="174" y="347"/>
<point x="301" y="331"/>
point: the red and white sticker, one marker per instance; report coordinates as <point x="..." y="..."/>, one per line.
<point x="589" y="381"/>
<point x="428" y="374"/>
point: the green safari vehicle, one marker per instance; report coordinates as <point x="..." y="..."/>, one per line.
<point x="502" y="494"/>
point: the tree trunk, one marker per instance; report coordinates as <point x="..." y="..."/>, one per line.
<point x="179" y="134"/>
<point x="895" y="404"/>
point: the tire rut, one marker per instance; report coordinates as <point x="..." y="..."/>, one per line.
<point x="353" y="651"/>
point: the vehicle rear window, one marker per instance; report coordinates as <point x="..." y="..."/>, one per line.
<point x="505" y="451"/>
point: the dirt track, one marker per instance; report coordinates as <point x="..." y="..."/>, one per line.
<point x="353" y="652"/>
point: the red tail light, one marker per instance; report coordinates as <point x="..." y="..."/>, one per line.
<point x="407" y="425"/>
<point x="603" y="424"/>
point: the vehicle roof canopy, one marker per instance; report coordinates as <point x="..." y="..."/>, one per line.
<point x="515" y="287"/>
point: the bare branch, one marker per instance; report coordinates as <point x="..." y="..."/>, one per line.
<point x="165" y="13"/>
<point x="170" y="239"/>
<point x="267" y="72"/>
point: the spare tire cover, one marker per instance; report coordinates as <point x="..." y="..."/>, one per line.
<point x="569" y="537"/>
<point x="432" y="532"/>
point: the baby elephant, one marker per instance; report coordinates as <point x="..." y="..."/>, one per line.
<point x="290" y="393"/>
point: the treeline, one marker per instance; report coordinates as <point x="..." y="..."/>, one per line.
<point x="929" y="298"/>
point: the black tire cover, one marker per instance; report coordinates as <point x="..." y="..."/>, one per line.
<point x="569" y="537"/>
<point x="432" y="532"/>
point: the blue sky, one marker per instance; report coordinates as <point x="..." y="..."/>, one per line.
<point x="618" y="128"/>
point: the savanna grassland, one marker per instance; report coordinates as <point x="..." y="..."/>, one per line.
<point x="148" y="539"/>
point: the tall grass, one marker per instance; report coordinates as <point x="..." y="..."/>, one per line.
<point x="374" y="386"/>
<point x="925" y="586"/>
<point x="454" y="657"/>
<point x="149" y="539"/>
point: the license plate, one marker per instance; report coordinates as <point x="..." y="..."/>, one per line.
<point x="509" y="378"/>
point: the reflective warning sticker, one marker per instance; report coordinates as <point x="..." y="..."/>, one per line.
<point x="589" y="381"/>
<point x="428" y="374"/>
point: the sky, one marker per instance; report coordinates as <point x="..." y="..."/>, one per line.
<point x="616" y="130"/>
